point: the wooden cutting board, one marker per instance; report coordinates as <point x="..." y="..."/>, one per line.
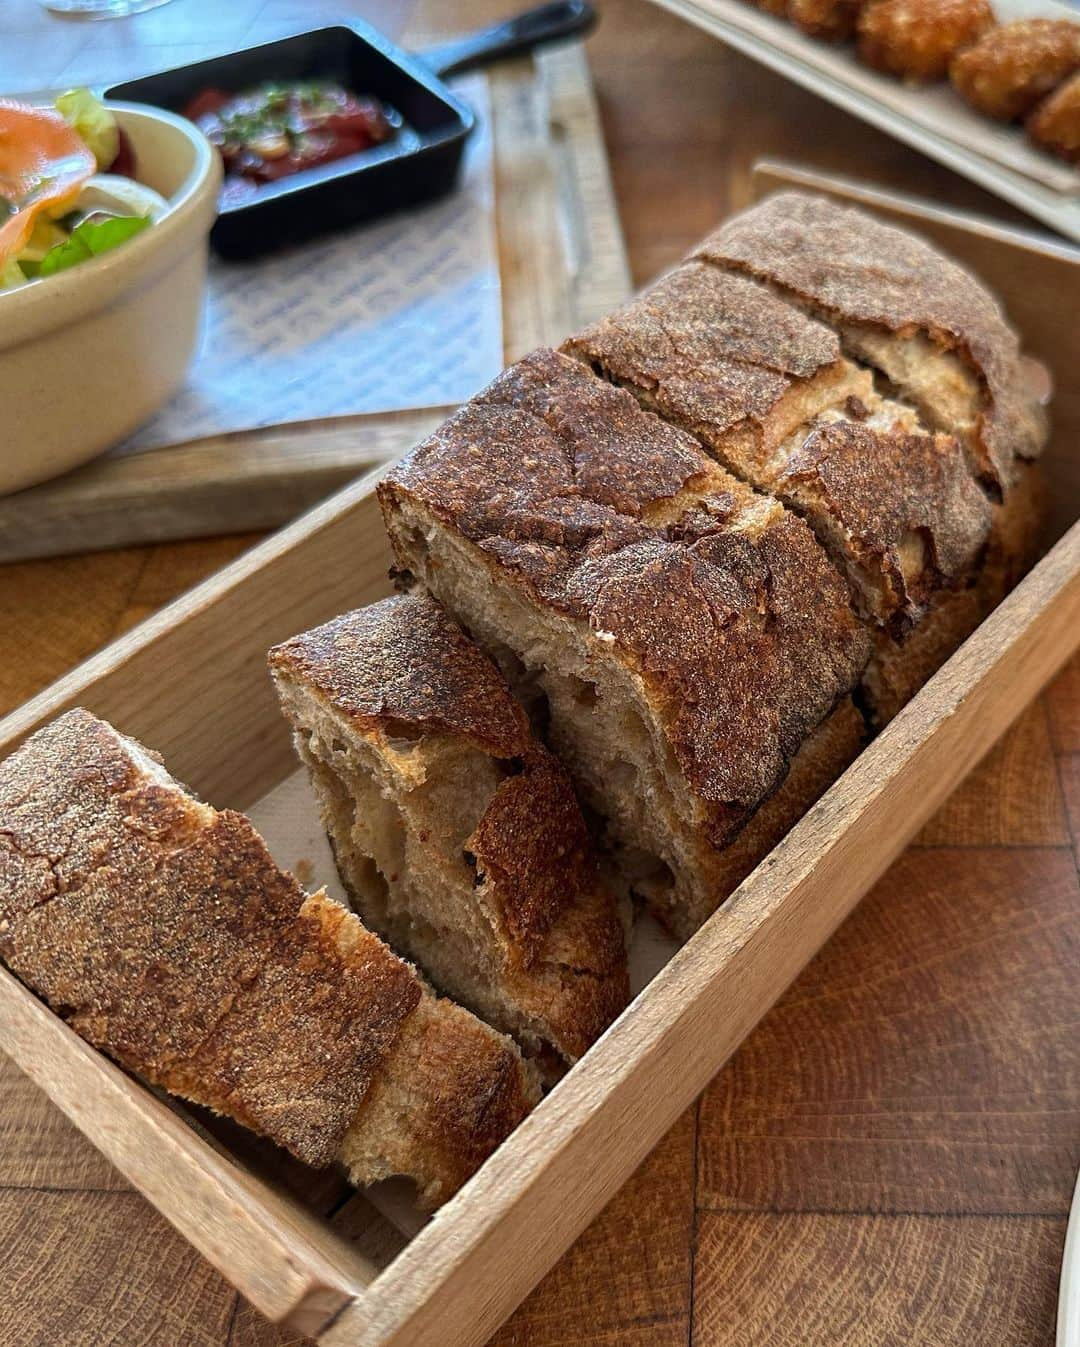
<point x="562" y="262"/>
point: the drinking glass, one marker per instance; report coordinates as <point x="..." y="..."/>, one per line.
<point x="100" y="9"/>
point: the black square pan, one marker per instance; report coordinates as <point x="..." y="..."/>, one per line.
<point x="421" y="162"/>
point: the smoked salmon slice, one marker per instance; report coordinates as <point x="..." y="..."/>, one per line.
<point x="43" y="166"/>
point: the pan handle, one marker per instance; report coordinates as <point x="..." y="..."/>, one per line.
<point x="514" y="37"/>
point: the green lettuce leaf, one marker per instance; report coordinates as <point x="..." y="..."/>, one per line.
<point x="89" y="239"/>
<point x="90" y="119"/>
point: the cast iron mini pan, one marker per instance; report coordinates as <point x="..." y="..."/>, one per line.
<point x="418" y="164"/>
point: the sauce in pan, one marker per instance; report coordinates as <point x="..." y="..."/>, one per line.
<point x="278" y="129"/>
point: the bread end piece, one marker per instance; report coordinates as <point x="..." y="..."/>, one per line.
<point x="901" y="306"/>
<point x="164" y="933"/>
<point x="450" y="1093"/>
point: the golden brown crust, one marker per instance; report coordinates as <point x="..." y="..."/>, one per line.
<point x="1055" y="123"/>
<point x="532" y="849"/>
<point x="824" y="756"/>
<point x="1009" y="69"/>
<point x="1017" y="534"/>
<point x="719" y="355"/>
<point x="404" y="667"/>
<point x="916" y="39"/>
<point x="475" y="1095"/>
<point x="713" y="352"/>
<point x="580" y="979"/>
<point x="165" y="934"/>
<point x="851" y="268"/>
<point x="747" y="643"/>
<point x="903" y="662"/>
<point x="891" y="493"/>
<point x="743" y="637"/>
<point x="401" y="668"/>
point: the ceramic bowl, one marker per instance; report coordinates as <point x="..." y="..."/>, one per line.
<point x="89" y="354"/>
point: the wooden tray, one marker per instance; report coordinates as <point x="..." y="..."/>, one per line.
<point x="562" y="263"/>
<point x="191" y="682"/>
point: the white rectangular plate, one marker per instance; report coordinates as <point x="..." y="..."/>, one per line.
<point x="930" y="118"/>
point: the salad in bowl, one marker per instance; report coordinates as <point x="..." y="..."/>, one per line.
<point x="105" y="217"/>
<point x="68" y="190"/>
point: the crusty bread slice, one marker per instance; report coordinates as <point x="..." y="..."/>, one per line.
<point x="724" y="358"/>
<point x="449" y="1090"/>
<point x="903" y="308"/>
<point x="766" y="391"/>
<point x="457" y="834"/>
<point x="687" y="633"/>
<point x="164" y="933"/>
<point x="903" y="661"/>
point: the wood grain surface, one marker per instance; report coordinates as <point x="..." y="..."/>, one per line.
<point x="889" y="1158"/>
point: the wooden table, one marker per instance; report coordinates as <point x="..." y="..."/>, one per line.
<point x="889" y="1159"/>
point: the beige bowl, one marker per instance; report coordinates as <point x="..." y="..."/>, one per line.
<point x="89" y="354"/>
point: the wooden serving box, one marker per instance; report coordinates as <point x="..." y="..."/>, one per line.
<point x="192" y="683"/>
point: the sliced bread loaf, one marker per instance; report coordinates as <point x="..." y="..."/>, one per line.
<point x="932" y="336"/>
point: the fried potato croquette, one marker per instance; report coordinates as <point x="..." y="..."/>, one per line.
<point x="916" y="39"/>
<point x="833" y="20"/>
<point x="1055" y="123"/>
<point x="1009" y="69"/>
